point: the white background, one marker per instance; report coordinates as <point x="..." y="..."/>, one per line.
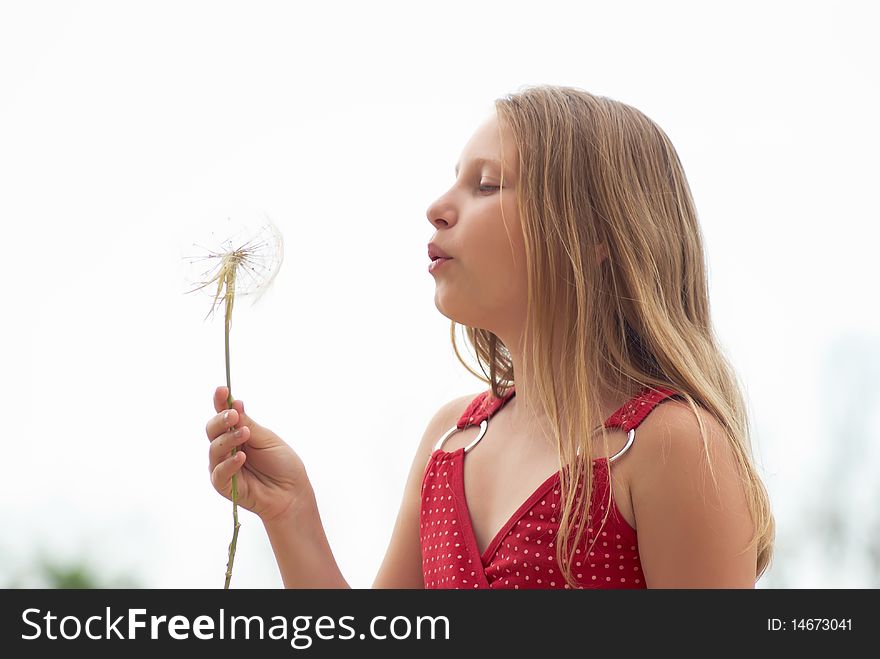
<point x="121" y="122"/>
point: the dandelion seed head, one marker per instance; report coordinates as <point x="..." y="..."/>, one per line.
<point x="239" y="258"/>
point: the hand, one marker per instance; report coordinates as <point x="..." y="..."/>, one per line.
<point x="272" y="478"/>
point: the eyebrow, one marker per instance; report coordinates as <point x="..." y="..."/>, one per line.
<point x="481" y="161"/>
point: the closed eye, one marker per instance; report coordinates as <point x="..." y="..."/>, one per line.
<point x="491" y="187"/>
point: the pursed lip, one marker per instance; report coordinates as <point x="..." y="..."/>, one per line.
<point x="437" y="263"/>
<point x="434" y="252"/>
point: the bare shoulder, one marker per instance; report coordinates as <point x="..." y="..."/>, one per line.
<point x="452" y="410"/>
<point x="689" y="501"/>
<point x="673" y="443"/>
<point x="672" y="429"/>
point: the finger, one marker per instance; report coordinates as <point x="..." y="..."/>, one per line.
<point x="221" y="394"/>
<point x="220" y="423"/>
<point x="221" y="476"/>
<point x="222" y="446"/>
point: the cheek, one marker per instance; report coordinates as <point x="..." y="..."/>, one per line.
<point x="502" y="273"/>
<point x="516" y="249"/>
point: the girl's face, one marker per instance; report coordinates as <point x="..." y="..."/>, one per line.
<point x="477" y="224"/>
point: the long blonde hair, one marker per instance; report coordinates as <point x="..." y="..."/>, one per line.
<point x="594" y="170"/>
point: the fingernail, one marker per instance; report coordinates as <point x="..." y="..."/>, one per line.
<point x="237" y="432"/>
<point x="226" y="416"/>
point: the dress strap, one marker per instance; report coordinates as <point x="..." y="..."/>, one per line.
<point x="478" y="412"/>
<point x="483" y="407"/>
<point x="633" y="412"/>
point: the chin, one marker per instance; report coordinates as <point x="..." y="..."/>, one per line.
<point x="446" y="309"/>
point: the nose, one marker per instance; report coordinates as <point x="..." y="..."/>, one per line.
<point x="441" y="213"/>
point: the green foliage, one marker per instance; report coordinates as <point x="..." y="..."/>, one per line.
<point x="68" y="574"/>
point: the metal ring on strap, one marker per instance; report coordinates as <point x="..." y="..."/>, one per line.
<point x="484" y="424"/>
<point x="629" y="440"/>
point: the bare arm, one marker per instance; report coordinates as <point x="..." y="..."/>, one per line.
<point x="301" y="548"/>
<point x="300" y="544"/>
<point x="690" y="533"/>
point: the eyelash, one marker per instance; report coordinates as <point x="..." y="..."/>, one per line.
<point x="494" y="187"/>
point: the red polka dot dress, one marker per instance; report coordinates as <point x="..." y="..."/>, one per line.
<point x="523" y="552"/>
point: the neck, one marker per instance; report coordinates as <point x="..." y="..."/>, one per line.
<point x="525" y="411"/>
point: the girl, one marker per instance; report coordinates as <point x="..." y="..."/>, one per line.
<point x="569" y="249"/>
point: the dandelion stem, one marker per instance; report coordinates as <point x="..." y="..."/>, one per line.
<point x="229" y="297"/>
